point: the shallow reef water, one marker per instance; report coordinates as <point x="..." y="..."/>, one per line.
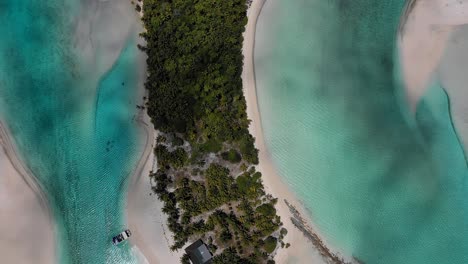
<point x="69" y="85"/>
<point x="381" y="183"/>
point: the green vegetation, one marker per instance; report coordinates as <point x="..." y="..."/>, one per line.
<point x="270" y="244"/>
<point x="229" y="256"/>
<point x="177" y="141"/>
<point x="161" y="139"/>
<point x="232" y="155"/>
<point x="176" y="158"/>
<point x="205" y="153"/>
<point x="194" y="65"/>
<point x="185" y="259"/>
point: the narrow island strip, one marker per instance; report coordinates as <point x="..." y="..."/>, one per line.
<point x="206" y="156"/>
<point x="214" y="184"/>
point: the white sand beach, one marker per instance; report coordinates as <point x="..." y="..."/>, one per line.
<point x="301" y="250"/>
<point x="151" y="239"/>
<point x="25" y="223"/>
<point x="150" y="234"/>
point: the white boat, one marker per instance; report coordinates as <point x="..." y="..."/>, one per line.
<point x="121" y="237"/>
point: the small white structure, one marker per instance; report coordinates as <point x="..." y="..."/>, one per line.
<point x="121" y="237"/>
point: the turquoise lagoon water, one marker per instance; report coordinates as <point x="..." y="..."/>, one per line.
<point x="382" y="184"/>
<point x="74" y="129"/>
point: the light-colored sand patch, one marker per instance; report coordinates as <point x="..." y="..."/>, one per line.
<point x="452" y="73"/>
<point x="101" y="31"/>
<point x="144" y="210"/>
<point x="26" y="228"/>
<point x="423" y="39"/>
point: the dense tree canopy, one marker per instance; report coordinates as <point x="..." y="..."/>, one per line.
<point x="205" y="153"/>
<point x="194" y="65"/>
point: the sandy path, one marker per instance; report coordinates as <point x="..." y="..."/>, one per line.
<point x="26" y="225"/>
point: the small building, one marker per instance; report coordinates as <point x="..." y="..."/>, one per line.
<point x="199" y="253"/>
